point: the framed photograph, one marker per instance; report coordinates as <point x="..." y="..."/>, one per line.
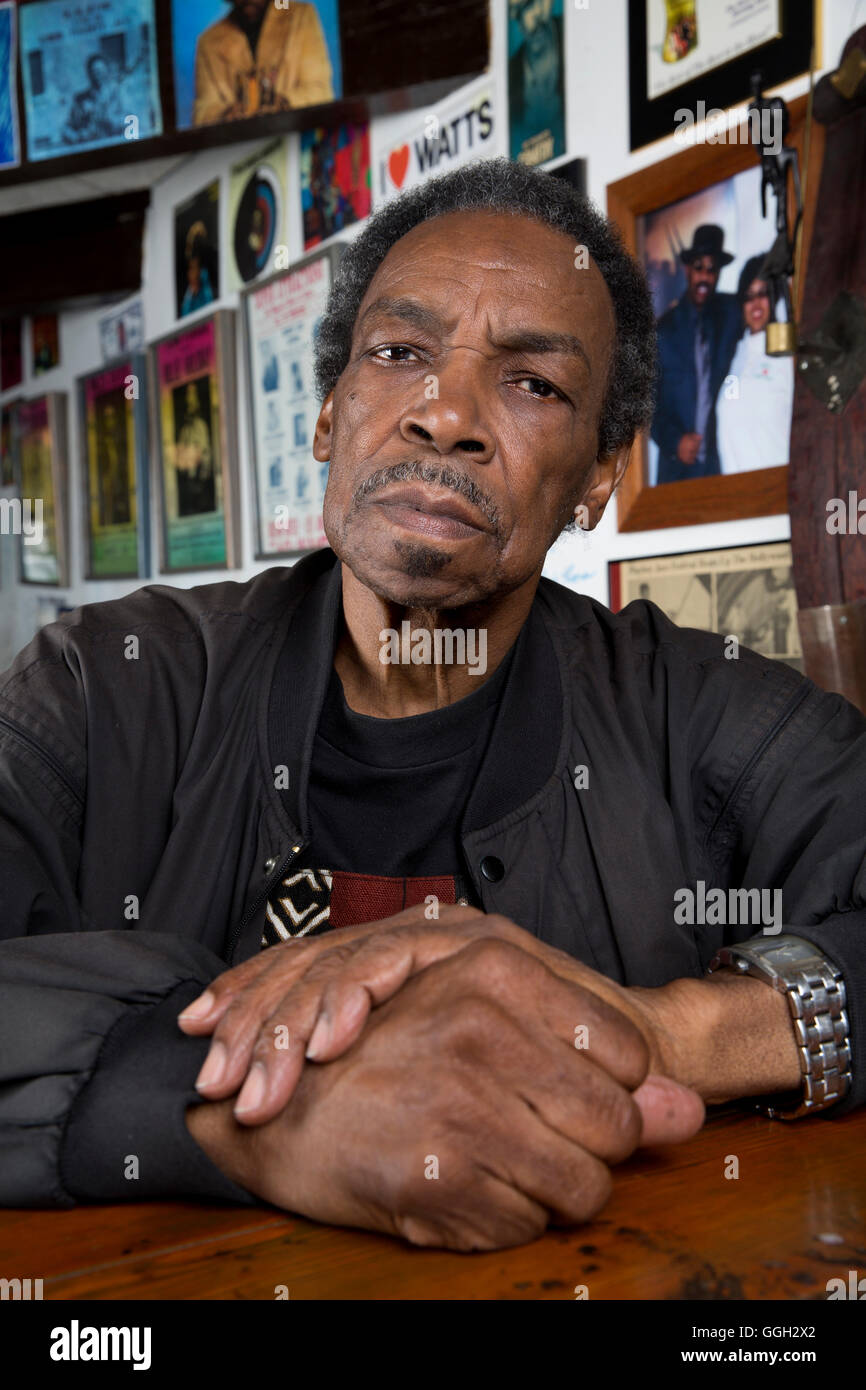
<point x="115" y="511"/>
<point x="269" y="58"/>
<point x="335" y="180"/>
<point x="193" y="423"/>
<point x="10" y="149"/>
<point x="746" y="592"/>
<point x="197" y="250"/>
<point x="718" y="445"/>
<point x="39" y="446"/>
<point x="90" y="75"/>
<point x="536" y="80"/>
<point x="684" y="53"/>
<point x="122" y="331"/>
<point x="281" y="322"/>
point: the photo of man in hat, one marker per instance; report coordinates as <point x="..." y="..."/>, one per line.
<point x="697" y="336"/>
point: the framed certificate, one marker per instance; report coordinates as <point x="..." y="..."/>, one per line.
<point x="687" y="55"/>
<point x="39" y="448"/>
<point x="281" y="319"/>
<point x="115" y="510"/>
<point x="194" y="425"/>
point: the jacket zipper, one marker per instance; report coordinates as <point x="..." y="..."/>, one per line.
<point x="263" y="896"/>
<point x="784" y="717"/>
<point x="48" y="758"/>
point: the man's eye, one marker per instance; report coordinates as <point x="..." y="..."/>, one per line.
<point x="395" y="349"/>
<point x="538" y="386"/>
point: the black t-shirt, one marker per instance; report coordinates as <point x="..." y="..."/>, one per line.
<point x="386" y="796"/>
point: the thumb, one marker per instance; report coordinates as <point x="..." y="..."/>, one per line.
<point x="670" y="1112"/>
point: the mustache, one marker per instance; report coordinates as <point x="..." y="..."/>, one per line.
<point x="440" y="475"/>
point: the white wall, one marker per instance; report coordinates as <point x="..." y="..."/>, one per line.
<point x="597" y="126"/>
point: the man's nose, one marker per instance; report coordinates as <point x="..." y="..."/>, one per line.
<point x="449" y="410"/>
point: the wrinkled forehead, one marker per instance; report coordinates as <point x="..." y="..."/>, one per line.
<point x="500" y="264"/>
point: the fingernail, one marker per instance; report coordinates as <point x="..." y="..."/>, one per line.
<point x="214" y="1066"/>
<point x="200" y="1007"/>
<point x="253" y="1090"/>
<point x="320" y="1038"/>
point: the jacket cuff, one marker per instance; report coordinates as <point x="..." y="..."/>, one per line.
<point x="134" y="1108"/>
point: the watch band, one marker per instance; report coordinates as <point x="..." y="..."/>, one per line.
<point x="816" y="997"/>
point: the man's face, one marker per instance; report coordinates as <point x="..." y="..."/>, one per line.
<point x="702" y="276"/>
<point x="98" y="73"/>
<point x="478" y="368"/>
<point x="251" y="9"/>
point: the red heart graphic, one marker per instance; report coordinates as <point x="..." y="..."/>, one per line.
<point x="398" y="163"/>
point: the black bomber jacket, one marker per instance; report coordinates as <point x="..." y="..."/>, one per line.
<point x="141" y="833"/>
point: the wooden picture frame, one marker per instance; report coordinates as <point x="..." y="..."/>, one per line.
<point x="40" y="451"/>
<point x="192" y="370"/>
<point x="731" y="497"/>
<point x="120" y="511"/>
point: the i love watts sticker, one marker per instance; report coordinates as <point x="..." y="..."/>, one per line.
<point x="412" y="147"/>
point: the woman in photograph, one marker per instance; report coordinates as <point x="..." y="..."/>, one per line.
<point x="753" y="407"/>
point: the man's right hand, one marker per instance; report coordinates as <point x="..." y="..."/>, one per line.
<point x="464" y="1116"/>
<point x="687" y="449"/>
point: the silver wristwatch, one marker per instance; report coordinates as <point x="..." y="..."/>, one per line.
<point x="816" y="997"/>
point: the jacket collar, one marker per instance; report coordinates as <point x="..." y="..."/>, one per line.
<point x="526" y="737"/>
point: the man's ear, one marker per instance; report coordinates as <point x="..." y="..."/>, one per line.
<point x="608" y="473"/>
<point x="324" y="431"/>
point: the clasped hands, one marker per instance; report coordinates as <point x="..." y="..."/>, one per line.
<point x="524" y="1072"/>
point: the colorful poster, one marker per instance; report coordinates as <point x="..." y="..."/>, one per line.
<point x="335" y="180"/>
<point x="46" y="343"/>
<point x="411" y="147"/>
<point x="536" y="80"/>
<point x="110" y="469"/>
<point x="257" y="213"/>
<point x="282" y="322"/>
<point x="122" y="331"/>
<point x="10" y="150"/>
<point x="196" y="250"/>
<point x="11" y="361"/>
<point x="686" y="39"/>
<point x="90" y="75"/>
<point x="234" y="61"/>
<point x="40" y="562"/>
<point x="187" y="372"/>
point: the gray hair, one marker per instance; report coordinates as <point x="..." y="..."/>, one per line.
<point x="502" y="185"/>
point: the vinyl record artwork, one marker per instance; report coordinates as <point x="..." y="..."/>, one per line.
<point x="257" y="200"/>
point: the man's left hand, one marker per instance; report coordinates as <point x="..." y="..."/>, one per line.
<point x="310" y="999"/>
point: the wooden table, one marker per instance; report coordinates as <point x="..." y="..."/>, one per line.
<point x="675" y="1228"/>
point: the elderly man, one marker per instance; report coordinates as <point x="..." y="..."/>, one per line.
<point x="508" y="883"/>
